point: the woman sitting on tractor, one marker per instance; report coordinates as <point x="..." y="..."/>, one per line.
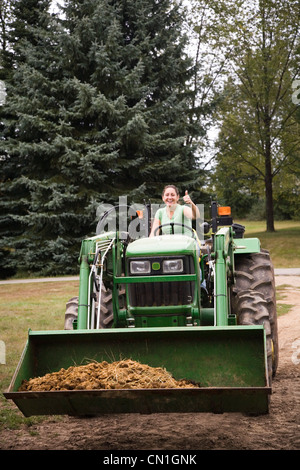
<point x="174" y="213"/>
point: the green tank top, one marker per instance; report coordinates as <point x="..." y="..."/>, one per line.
<point x="178" y="218"/>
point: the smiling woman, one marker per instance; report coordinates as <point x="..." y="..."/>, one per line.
<point x="174" y="213"/>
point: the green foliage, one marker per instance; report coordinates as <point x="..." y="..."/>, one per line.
<point x="97" y="107"/>
<point x="259" y="134"/>
<point x="104" y="101"/>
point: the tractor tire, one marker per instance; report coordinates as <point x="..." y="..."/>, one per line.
<point x="71" y="313"/>
<point x="254" y="271"/>
<point x="106" y="317"/>
<point x="252" y="309"/>
<point x="107" y="313"/>
<point x="106" y="310"/>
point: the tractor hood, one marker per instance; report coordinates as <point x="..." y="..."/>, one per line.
<point x="162" y="245"/>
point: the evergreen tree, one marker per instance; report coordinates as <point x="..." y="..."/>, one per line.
<point x="22" y="130"/>
<point x="102" y="109"/>
<point x="129" y="100"/>
<point x="5" y="73"/>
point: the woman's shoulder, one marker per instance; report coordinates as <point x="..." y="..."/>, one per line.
<point x="180" y="208"/>
<point x="158" y="213"/>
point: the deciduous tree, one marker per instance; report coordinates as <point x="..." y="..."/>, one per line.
<point x="259" y="133"/>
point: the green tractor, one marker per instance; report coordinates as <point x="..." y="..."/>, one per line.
<point x="203" y="310"/>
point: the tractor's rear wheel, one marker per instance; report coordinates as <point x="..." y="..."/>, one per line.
<point x="252" y="309"/>
<point x="255" y="272"/>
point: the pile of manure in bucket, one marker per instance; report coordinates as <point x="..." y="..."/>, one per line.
<point x="122" y="374"/>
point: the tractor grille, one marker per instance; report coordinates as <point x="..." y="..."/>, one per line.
<point x="164" y="293"/>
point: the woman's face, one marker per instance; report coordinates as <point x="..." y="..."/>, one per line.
<point x="170" y="197"/>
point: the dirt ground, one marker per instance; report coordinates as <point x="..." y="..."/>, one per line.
<point x="278" y="430"/>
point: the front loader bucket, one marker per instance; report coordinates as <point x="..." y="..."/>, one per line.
<point x="229" y="363"/>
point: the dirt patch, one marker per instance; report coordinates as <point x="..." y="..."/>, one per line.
<point x="123" y="374"/>
<point x="278" y="430"/>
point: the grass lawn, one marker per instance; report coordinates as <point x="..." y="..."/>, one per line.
<point x="38" y="306"/>
<point x="283" y="244"/>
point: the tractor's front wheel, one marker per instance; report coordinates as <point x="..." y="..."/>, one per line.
<point x="71" y="313"/>
<point x="106" y="310"/>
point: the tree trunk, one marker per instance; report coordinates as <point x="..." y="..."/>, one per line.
<point x="269" y="187"/>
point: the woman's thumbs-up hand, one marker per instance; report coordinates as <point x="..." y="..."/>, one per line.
<point x="187" y="198"/>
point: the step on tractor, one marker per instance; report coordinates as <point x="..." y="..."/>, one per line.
<point x="208" y="317"/>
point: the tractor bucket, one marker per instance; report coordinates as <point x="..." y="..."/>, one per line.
<point x="228" y="363"/>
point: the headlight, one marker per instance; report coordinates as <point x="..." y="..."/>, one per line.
<point x="140" y="267"/>
<point x="173" y="266"/>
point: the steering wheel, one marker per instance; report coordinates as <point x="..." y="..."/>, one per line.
<point x="172" y="226"/>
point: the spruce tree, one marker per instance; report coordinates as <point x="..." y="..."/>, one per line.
<point x="128" y="79"/>
<point x="6" y="225"/>
<point x="23" y="127"/>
